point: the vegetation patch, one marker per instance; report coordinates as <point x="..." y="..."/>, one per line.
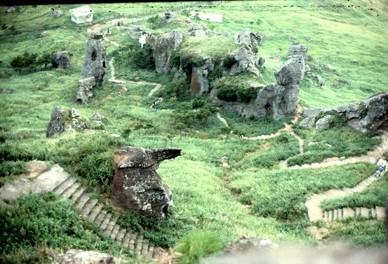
<point x="45" y="221"/>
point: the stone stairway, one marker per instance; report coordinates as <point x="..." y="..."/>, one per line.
<point x="344" y="213"/>
<point x="57" y="180"/>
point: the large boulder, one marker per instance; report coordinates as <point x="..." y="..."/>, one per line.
<point x="95" y="58"/>
<point x="199" y="83"/>
<point x="366" y="115"/>
<point x="61" y="59"/>
<point x="291" y="72"/>
<point x="137" y="186"/>
<point x="162" y="47"/>
<point x="64" y="119"/>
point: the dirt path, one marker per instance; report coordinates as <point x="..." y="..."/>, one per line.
<point x="313" y="204"/>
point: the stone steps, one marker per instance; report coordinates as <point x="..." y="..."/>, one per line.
<point x="94" y="211"/>
<point x="344" y="213"/>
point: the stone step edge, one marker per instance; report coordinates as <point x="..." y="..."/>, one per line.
<point x="339" y="215"/>
<point x="139" y="249"/>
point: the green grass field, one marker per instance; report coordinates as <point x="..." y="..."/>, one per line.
<point x="254" y="196"/>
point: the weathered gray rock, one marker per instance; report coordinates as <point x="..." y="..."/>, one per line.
<point x="95" y="58"/>
<point x="61" y="59"/>
<point x="246" y="60"/>
<point x="291" y="72"/>
<point x="197" y="30"/>
<point x="272" y="100"/>
<point x="162" y="47"/>
<point x="366" y="115"/>
<point x="199" y="83"/>
<point x="297" y="49"/>
<point x="248" y="39"/>
<point x="85" y="89"/>
<point x="324" y="122"/>
<point x="64" y="119"/>
<point x="16" y="189"/>
<point x="136" y="185"/>
<point x="76" y="256"/>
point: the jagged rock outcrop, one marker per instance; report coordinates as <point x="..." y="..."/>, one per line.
<point x="246" y="60"/>
<point x="95" y="58"/>
<point x="63" y="119"/>
<point x="85" y="89"/>
<point x="61" y="59"/>
<point x="136" y="185"/>
<point x="248" y="39"/>
<point x="199" y="83"/>
<point x="162" y="47"/>
<point x="274" y="100"/>
<point x="246" y="57"/>
<point x="366" y="115"/>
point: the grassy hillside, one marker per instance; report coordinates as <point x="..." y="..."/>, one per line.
<point x="254" y="195"/>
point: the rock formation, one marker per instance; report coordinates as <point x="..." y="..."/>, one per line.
<point x="61" y="59"/>
<point x="199" y="83"/>
<point x="246" y="57"/>
<point x="94" y="64"/>
<point x="136" y="185"/>
<point x="64" y="120"/>
<point x="162" y="47"/>
<point x="274" y="100"/>
<point x="366" y="115"/>
<point x="85" y="89"/>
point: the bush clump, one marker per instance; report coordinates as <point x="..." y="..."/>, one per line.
<point x="196" y="245"/>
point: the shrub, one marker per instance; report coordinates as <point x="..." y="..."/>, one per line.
<point x="196" y="245"/>
<point x="245" y="95"/>
<point x="227" y="94"/>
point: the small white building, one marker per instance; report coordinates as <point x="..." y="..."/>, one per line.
<point x="83" y="14"/>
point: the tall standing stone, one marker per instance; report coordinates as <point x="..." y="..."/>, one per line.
<point x="95" y="58"/>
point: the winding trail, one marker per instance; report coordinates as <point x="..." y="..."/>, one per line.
<point x="313" y="204"/>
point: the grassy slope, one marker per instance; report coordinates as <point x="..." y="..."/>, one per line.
<point x="196" y="178"/>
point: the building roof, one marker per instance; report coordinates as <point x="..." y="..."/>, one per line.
<point x="81" y="11"/>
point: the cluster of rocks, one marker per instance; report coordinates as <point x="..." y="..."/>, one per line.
<point x="94" y="66"/>
<point x="274" y="100"/>
<point x="366" y="115"/>
<point x="63" y="119"/>
<point x="69" y="120"/>
<point x="136" y="184"/>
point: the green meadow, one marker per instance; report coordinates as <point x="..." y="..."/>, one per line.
<point x="213" y="205"/>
